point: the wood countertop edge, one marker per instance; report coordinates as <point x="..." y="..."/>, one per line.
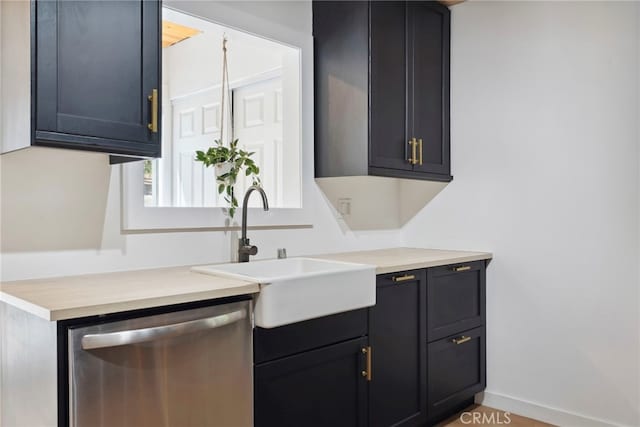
<point x="25" y="305"/>
<point x="428" y="264"/>
<point x="133" y="304"/>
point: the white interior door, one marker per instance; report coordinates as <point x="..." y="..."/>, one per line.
<point x="257" y="122"/>
<point x="196" y="125"/>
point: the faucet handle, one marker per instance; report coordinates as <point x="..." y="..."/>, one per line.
<point x="245" y="249"/>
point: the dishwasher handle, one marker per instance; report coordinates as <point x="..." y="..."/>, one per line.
<point x="134" y="336"/>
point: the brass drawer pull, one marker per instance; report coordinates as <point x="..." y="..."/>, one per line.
<point x="462" y="268"/>
<point x="403" y="278"/>
<point x="461" y="340"/>
<point x="367" y="372"/>
<point x="153" y="98"/>
<point x="420" y="150"/>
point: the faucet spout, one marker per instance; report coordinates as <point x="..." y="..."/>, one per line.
<point x="245" y="249"/>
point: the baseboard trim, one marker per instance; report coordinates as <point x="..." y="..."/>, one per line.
<point x="538" y="412"/>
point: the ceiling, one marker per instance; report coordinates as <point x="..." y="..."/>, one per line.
<point x="173" y="33"/>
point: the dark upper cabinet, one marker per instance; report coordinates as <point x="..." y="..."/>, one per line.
<point x="398" y="338"/>
<point x="95" y="75"/>
<point x="382" y="89"/>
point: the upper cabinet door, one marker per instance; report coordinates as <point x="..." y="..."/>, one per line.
<point x="428" y="38"/>
<point x="388" y="85"/>
<point x="96" y="76"/>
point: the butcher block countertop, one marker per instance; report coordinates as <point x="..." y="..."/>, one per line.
<point x="400" y="259"/>
<point x="71" y="297"/>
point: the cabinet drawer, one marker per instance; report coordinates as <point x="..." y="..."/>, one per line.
<point x="274" y="343"/>
<point x="456" y="370"/>
<point x="455" y="299"/>
<point x="399" y="278"/>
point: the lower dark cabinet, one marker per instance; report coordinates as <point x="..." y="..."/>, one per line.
<point x="456" y="370"/>
<point x="398" y="339"/>
<point x="414" y="358"/>
<point x="323" y="387"/>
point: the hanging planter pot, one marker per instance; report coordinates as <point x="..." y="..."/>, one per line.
<point x="222" y="171"/>
<point x="229" y="164"/>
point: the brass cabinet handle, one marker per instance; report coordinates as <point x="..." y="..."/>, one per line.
<point x="403" y="278"/>
<point x="420" y="146"/>
<point x="462" y="268"/>
<point x="413" y="143"/>
<point x="461" y="340"/>
<point x="367" y="372"/>
<point x="153" y="98"/>
<point x="413" y="150"/>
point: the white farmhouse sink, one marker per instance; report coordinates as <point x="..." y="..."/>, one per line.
<point x="297" y="289"/>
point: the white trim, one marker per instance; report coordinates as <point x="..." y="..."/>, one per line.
<point x="135" y="216"/>
<point x="273" y="73"/>
<point x="537" y="411"/>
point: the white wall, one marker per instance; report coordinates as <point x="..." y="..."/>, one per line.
<point x="545" y="164"/>
<point x="196" y="63"/>
<point x="61" y="209"/>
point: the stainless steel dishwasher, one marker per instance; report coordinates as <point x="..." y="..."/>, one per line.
<point x="190" y="368"/>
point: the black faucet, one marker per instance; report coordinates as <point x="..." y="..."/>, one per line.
<point x="245" y="249"/>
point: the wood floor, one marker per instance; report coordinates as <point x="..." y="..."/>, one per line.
<point x="484" y="416"/>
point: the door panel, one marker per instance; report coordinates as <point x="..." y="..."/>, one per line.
<point x="196" y="125"/>
<point x="96" y="64"/>
<point x="257" y="124"/>
<point x="398" y="340"/>
<point x="317" y="388"/>
<point x="88" y="33"/>
<point x="387" y="114"/>
<point x="428" y="59"/>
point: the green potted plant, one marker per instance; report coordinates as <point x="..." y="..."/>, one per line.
<point x="230" y="162"/>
